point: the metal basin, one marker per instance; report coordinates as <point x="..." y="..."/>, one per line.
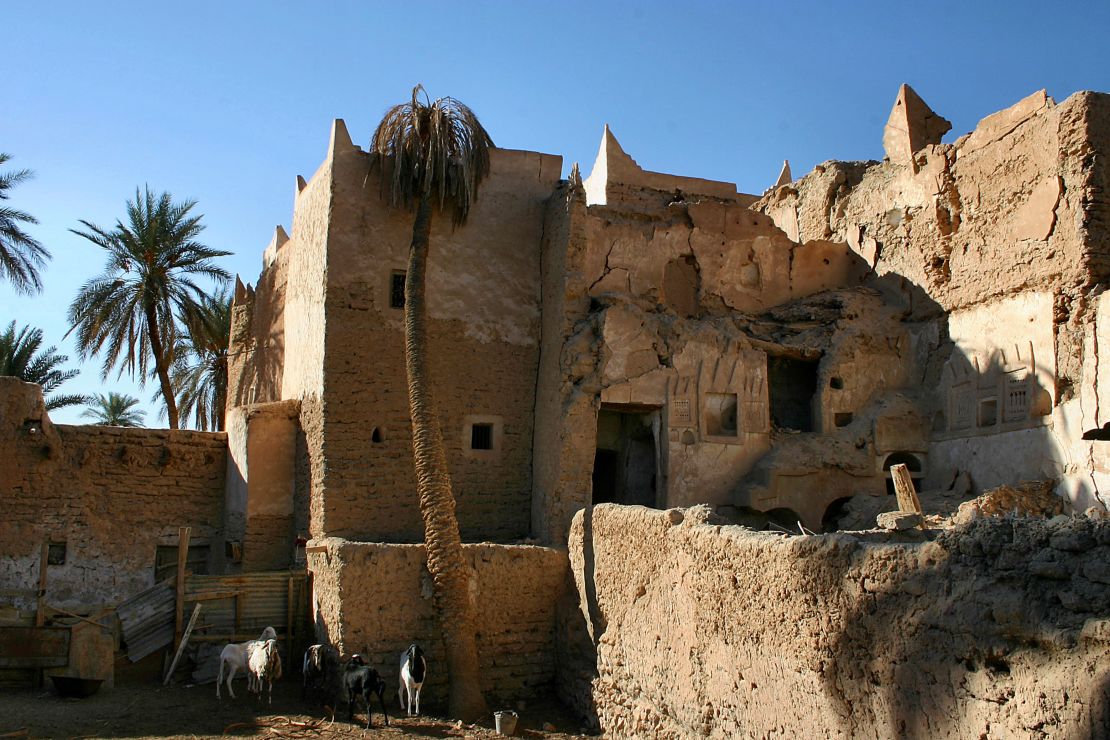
<point x="76" y="687"/>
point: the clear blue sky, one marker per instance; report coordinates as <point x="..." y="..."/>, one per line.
<point x="227" y="101"/>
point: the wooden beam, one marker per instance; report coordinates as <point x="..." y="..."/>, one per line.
<point x="289" y="618"/>
<point x="40" y="608"/>
<point x="903" y="488"/>
<point x="182" y="559"/>
<point x="215" y="596"/>
<point x="181" y="646"/>
<point x="316" y="548"/>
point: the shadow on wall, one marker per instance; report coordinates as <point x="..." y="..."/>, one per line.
<point x="994" y="613"/>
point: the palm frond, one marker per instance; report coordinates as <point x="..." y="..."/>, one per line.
<point x="437" y="151"/>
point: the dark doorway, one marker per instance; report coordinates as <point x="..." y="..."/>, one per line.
<point x="625" y="467"/>
<point x="792" y="385"/>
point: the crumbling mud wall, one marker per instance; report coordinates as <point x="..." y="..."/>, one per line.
<point x="376" y="599"/>
<point x="681" y="310"/>
<point x="111" y="495"/>
<point x="996" y="247"/>
<point x="999" y="628"/>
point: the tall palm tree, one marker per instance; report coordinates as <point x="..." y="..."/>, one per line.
<point x="21" y="257"/>
<point x="432" y="157"/>
<point x="199" y="373"/>
<point x="128" y="311"/>
<point x="115" y="410"/>
<point x="21" y="357"/>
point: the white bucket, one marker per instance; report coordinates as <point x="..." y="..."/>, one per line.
<point x="505" y="722"/>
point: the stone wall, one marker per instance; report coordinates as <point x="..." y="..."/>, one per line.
<point x="376" y="599"/>
<point x="687" y="629"/>
<point x="111" y="494"/>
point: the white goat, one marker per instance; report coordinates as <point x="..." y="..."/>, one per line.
<point x="413" y="671"/>
<point x="264" y="664"/>
<point x="235" y="656"/>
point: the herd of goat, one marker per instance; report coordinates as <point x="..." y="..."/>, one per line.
<point x="260" y="661"/>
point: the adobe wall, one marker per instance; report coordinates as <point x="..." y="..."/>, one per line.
<point x="996" y="244"/>
<point x="376" y="599"/>
<point x="111" y="494"/>
<point x="483" y="303"/>
<point x="1001" y="628"/>
<point x="663" y="310"/>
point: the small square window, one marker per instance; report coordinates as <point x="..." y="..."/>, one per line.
<point x="397" y="290"/>
<point x="481" y="437"/>
<point x="56" y="553"/>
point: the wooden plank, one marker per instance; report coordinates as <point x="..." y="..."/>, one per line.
<point x="316" y="548"/>
<point x="213" y="596"/>
<point x="181" y="647"/>
<point x="182" y="559"/>
<point x="18" y="593"/>
<point x="241" y="637"/>
<point x="34" y="647"/>
<point x="903" y="488"/>
<point x="40" y="609"/>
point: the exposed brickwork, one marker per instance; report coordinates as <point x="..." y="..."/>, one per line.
<point x="111" y="494"/>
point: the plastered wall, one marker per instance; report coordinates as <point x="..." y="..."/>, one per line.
<point x="1000" y="629"/>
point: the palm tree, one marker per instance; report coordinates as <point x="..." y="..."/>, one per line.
<point x="433" y="156"/>
<point x="199" y="373"/>
<point x="20" y="255"/>
<point x="128" y="311"/>
<point x="114" y="410"/>
<point x="21" y="357"/>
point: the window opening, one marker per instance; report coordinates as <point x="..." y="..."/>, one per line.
<point x="720" y="414"/>
<point x="397" y="290"/>
<point x="481" y="437"/>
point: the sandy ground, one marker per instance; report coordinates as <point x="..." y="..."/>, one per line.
<point x="146" y="711"/>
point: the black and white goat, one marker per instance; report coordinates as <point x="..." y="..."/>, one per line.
<point x="413" y="670"/>
<point x="360" y="679"/>
<point x="235" y="656"/>
<point x="264" y="664"/>
<point x="313" y="671"/>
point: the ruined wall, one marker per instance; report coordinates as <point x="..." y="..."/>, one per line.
<point x="483" y="303"/>
<point x="996" y="245"/>
<point x="376" y="599"/>
<point x="1001" y="628"/>
<point x="112" y="495"/>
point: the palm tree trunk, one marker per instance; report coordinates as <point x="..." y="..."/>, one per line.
<point x="446" y="564"/>
<point x="161" y="365"/>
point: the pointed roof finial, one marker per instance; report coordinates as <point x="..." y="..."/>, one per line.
<point x="340" y="140"/>
<point x="575" y="177"/>
<point x="785" y="177"/>
<point x="301" y="184"/>
<point x="911" y="127"/>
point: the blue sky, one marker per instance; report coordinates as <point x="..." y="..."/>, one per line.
<point x="226" y="102"/>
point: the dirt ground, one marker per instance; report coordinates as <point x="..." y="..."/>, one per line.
<point x="146" y="711"/>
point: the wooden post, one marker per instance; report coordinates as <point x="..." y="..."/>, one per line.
<point x="40" y="609"/>
<point x="289" y="620"/>
<point x="238" y="611"/>
<point x="903" y="488"/>
<point x="182" y="558"/>
<point x="182" y="644"/>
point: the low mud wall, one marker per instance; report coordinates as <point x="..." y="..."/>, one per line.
<point x="376" y="599"/>
<point x="105" y="498"/>
<point x="688" y="629"/>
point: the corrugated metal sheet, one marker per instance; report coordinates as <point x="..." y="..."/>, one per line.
<point x="146" y="620"/>
<point x="263" y="602"/>
<point x="260" y="599"/>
